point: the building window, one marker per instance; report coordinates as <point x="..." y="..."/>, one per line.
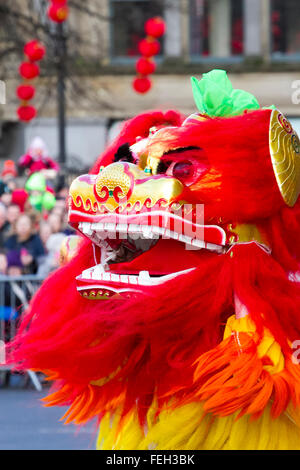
<point x="127" y="25"/>
<point x="216" y="28"/>
<point x="285" y="25"/>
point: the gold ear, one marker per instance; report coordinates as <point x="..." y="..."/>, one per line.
<point x="285" y="156"/>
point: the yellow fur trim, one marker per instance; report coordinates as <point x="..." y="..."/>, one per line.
<point x="267" y="347"/>
<point x="188" y="428"/>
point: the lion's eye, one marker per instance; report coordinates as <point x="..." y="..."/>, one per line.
<point x="183" y="170"/>
<point x="187" y="164"/>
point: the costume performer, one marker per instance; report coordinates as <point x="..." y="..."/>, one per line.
<point x="179" y="329"/>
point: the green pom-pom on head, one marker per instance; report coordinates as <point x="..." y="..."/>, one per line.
<point x="214" y="96"/>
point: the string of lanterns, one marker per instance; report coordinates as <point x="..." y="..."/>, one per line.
<point x="58" y="10"/>
<point x="29" y="70"/>
<point x="149" y="47"/>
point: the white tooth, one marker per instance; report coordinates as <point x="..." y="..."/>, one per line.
<point x="133" y="279"/>
<point x="86" y="228"/>
<point x="135" y="231"/>
<point x="87" y="273"/>
<point x="198" y="243"/>
<point x="175" y="235"/>
<point x="98" y="271"/>
<point x="156" y="232"/>
<point x="115" y="277"/>
<point x="124" y="279"/>
<point x="110" y="227"/>
<point x="134" y="228"/>
<point x="185" y="239"/>
<point x="146" y="230"/>
<point x="122" y="229"/>
<point x="211" y="246"/>
<point x="156" y="229"/>
<point x="144" y="278"/>
<point x="106" y="277"/>
<point x="98" y="226"/>
<point x="167" y="233"/>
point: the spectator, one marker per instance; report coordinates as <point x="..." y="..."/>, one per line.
<point x="4" y="225"/>
<point x="9" y="171"/>
<point x="3" y="264"/>
<point x="55" y="222"/>
<point x="14" y="263"/>
<point x="45" y="232"/>
<point x="12" y="214"/>
<point x="52" y="260"/>
<point x="27" y="243"/>
<point x="5" y="193"/>
<point x="20" y="197"/>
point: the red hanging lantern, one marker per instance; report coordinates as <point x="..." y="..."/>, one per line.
<point x="155" y="27"/>
<point x="29" y="70"/>
<point x="25" y="92"/>
<point x="145" y="66"/>
<point x="34" y="50"/>
<point x="26" y="113"/>
<point x="149" y="47"/>
<point x="58" y="11"/>
<point x="142" y="84"/>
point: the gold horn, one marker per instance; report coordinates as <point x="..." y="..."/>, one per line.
<point x="285" y="156"/>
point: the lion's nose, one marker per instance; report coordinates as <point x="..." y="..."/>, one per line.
<point x="115" y="181"/>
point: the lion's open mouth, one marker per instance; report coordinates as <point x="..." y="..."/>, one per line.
<point x="131" y="258"/>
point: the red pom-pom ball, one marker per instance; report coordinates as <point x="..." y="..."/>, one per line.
<point x="26" y="113"/>
<point x="58" y="11"/>
<point x="29" y="70"/>
<point x="149" y="48"/>
<point x="25" y="92"/>
<point x="145" y="66"/>
<point x="155" y="27"/>
<point x="142" y="84"/>
<point x="34" y="50"/>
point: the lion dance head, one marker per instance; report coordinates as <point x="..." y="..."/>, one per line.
<point x="175" y="323"/>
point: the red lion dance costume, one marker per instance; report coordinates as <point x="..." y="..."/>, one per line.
<point x="181" y="339"/>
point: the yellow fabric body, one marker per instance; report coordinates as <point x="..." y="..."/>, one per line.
<point x="189" y="428"/>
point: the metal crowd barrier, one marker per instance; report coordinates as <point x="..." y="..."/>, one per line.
<point x="15" y="295"/>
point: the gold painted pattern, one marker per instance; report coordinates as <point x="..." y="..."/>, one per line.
<point x="244" y="233"/>
<point x="136" y="186"/>
<point x="285" y="156"/>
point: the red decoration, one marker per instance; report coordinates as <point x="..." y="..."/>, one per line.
<point x="142" y="84"/>
<point x="29" y="70"/>
<point x="145" y="66"/>
<point x="155" y="27"/>
<point x="26" y="113"/>
<point x="25" y="92"/>
<point x="34" y="50"/>
<point x="58" y="11"/>
<point x="149" y="47"/>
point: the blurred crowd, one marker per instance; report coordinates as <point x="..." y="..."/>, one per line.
<point x="33" y="213"/>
